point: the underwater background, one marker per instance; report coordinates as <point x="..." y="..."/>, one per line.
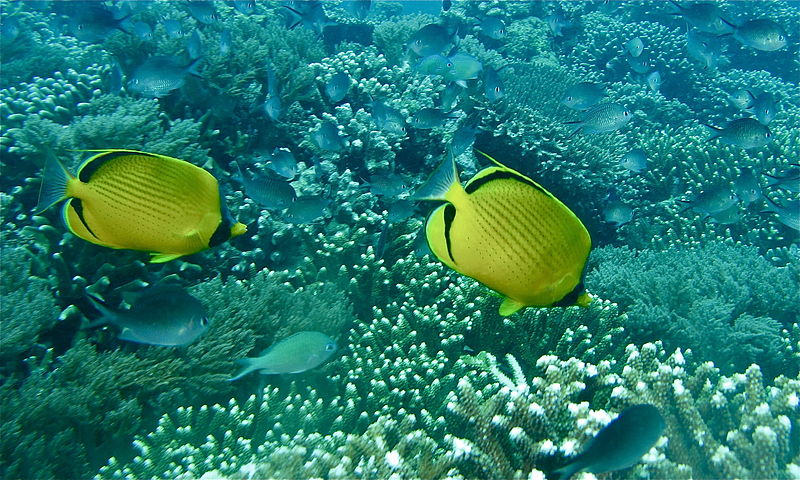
<point x="319" y="120"/>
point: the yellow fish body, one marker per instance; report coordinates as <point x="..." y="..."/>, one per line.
<point x="140" y="201"/>
<point x="509" y="233"/>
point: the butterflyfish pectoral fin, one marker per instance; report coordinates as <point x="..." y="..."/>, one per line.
<point x="509" y="307"/>
<point x="164" y="257"/>
<point x="55" y="178"/>
<point x="440" y="183"/>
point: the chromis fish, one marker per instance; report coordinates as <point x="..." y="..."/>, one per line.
<point x="746" y="186"/>
<point x="634" y="46"/>
<point x="283" y="163"/>
<point x="602" y="118"/>
<point x="431" y="39"/>
<point x="635" y="160"/>
<point x="743" y="132"/>
<point x="762" y="34"/>
<point x="509" y="233"/>
<point x="337" y="87"/>
<point x="706" y="17"/>
<point x="492" y="85"/>
<point x="294" y="354"/>
<point x="742" y="99"/>
<point x="159" y="75"/>
<point x="140" y="201"/>
<point x="306" y="209"/>
<point x="388" y="184"/>
<point x="788" y="180"/>
<point x="173" y="28"/>
<point x="428" y="118"/>
<point x="493" y="28"/>
<point x="269" y="192"/>
<point x="615" y="211"/>
<point x="202" y="11"/>
<point x="653" y="81"/>
<point x="620" y="444"/>
<point x="704" y="48"/>
<point x="433" y="65"/>
<point x="763" y="108"/>
<point x="788" y="213"/>
<point x="582" y="95"/>
<point x="160" y="315"/>
<point x="712" y="200"/>
<point x="387" y="118"/>
<point x="462" y="68"/>
<point x="327" y="137"/>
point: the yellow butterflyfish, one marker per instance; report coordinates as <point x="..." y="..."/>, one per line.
<point x="140" y="201"/>
<point x="509" y="233"/>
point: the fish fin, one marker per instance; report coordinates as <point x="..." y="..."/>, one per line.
<point x="577" y="129"/>
<point x="733" y="26"/>
<point x="444" y="179"/>
<point x="461" y="83"/>
<point x="128" y="335"/>
<point x="191" y="69"/>
<point x="55" y="179"/>
<point x="584" y="300"/>
<point x="715" y="131"/>
<point x="509" y="307"/>
<point x="247" y="367"/>
<point x="156" y="257"/>
<point x="107" y="314"/>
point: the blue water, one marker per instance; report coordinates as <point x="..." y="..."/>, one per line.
<point x="694" y="270"/>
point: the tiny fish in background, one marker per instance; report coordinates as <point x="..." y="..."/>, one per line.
<point x="170" y="207"/>
<point x="94" y="22"/>
<point x="462" y="68"/>
<point x="492" y="85"/>
<point x="327" y="137"/>
<point x="616" y="211"/>
<point x="194" y="47"/>
<point x="762" y="34"/>
<point x="358" y="8"/>
<point x="225" y="42"/>
<point x="620" y="444"/>
<point x="788" y="180"/>
<point x="269" y="192"/>
<point x="556" y="23"/>
<point x="712" y="200"/>
<point x="160" y="315"/>
<point x="654" y="81"/>
<point x="272" y="105"/>
<point x="428" y="118"/>
<point x="173" y="28"/>
<point x="788" y="213"/>
<point x="641" y="64"/>
<point x="203" y="12"/>
<point x="493" y="28"/>
<point x="742" y="99"/>
<point x="635" y="160"/>
<point x="449" y="98"/>
<point x="143" y="30"/>
<point x="159" y="75"/>
<point x="283" y="163"/>
<point x="746" y="186"/>
<point x="387" y="118"/>
<point x="245" y="7"/>
<point x="388" y="185"/>
<point x="743" y="132"/>
<point x="432" y="39"/>
<point x="583" y="95"/>
<point x="294" y="354"/>
<point x="705" y="17"/>
<point x="763" y="107"/>
<point x="729" y="216"/>
<point x="463" y="138"/>
<point x="602" y="118"/>
<point x="306" y="209"/>
<point x="9" y="29"/>
<point x="634" y="46"/>
<point x="337" y="87"/>
<point x="704" y="48"/>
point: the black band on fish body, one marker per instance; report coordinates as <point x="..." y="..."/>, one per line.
<point x="502" y="174"/>
<point x="223" y="231"/>
<point x="77" y="205"/>
<point x="571" y="298"/>
<point x="449" y="216"/>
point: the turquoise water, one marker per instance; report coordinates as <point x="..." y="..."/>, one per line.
<point x="694" y="270"/>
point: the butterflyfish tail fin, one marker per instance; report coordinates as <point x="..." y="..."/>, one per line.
<point x="55" y="178"/>
<point x="440" y="183"/>
<point x="247" y="367"/>
<point x="509" y="307"/>
<point x="163" y="257"/>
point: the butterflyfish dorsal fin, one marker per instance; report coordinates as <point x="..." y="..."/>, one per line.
<point x="441" y="182"/>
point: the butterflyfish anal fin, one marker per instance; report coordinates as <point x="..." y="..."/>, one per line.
<point x="164" y="257"/>
<point x="510" y="306"/>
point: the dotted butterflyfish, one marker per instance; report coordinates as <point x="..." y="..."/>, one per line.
<point x="509" y="233"/>
<point x="140" y="201"/>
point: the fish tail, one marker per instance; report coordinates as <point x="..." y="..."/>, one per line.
<point x="715" y="131"/>
<point x="247" y="367"/>
<point x="55" y="180"/>
<point x="191" y="69"/>
<point x="441" y="182"/>
<point x="107" y="313"/>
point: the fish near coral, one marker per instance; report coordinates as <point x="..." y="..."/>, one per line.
<point x="509" y="233"/>
<point x="295" y="354"/>
<point x="762" y="34"/>
<point x="140" y="201"/>
<point x="743" y="132"/>
<point x="602" y="118"/>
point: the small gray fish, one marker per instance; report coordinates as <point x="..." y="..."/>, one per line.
<point x="620" y="444"/>
<point x="788" y="213"/>
<point x="388" y="119"/>
<point x="641" y="64"/>
<point x="746" y="186"/>
<point x="327" y="137"/>
<point x="143" y="30"/>
<point x="400" y="210"/>
<point x="706" y="17"/>
<point x="432" y="39"/>
<point x="294" y="354"/>
<point x="93" y="23"/>
<point x="762" y="34"/>
<point x="433" y="65"/>
<point x="462" y="68"/>
<point x="635" y="160"/>
<point x="9" y="29"/>
<point x="202" y="11"/>
<point x="743" y="132"/>
<point x="283" y="163"/>
<point x="159" y="75"/>
<point x="704" y="48"/>
<point x="306" y="209"/>
<point x="653" y="81"/>
<point x="742" y="99"/>
<point x="115" y="78"/>
<point x="173" y="28"/>
<point x="358" y="8"/>
<point x="273" y="107"/>
<point x="448" y="99"/>
<point x="557" y="23"/>
<point x="245" y="7"/>
<point x="728" y="216"/>
<point x="225" y="42"/>
<point x="381" y="241"/>
<point x="788" y="180"/>
<point x="388" y="185"/>
<point x="161" y="315"/>
<point x="428" y="118"/>
<point x="463" y="138"/>
<point x="194" y="47"/>
<point x="492" y="85"/>
<point x="634" y="46"/>
<point x="602" y="118"/>
<point x="763" y="108"/>
<point x="582" y="95"/>
<point x="493" y="28"/>
<point x="712" y="201"/>
<point x="309" y="14"/>
<point x="269" y="192"/>
<point x="615" y="211"/>
<point x="337" y="87"/>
